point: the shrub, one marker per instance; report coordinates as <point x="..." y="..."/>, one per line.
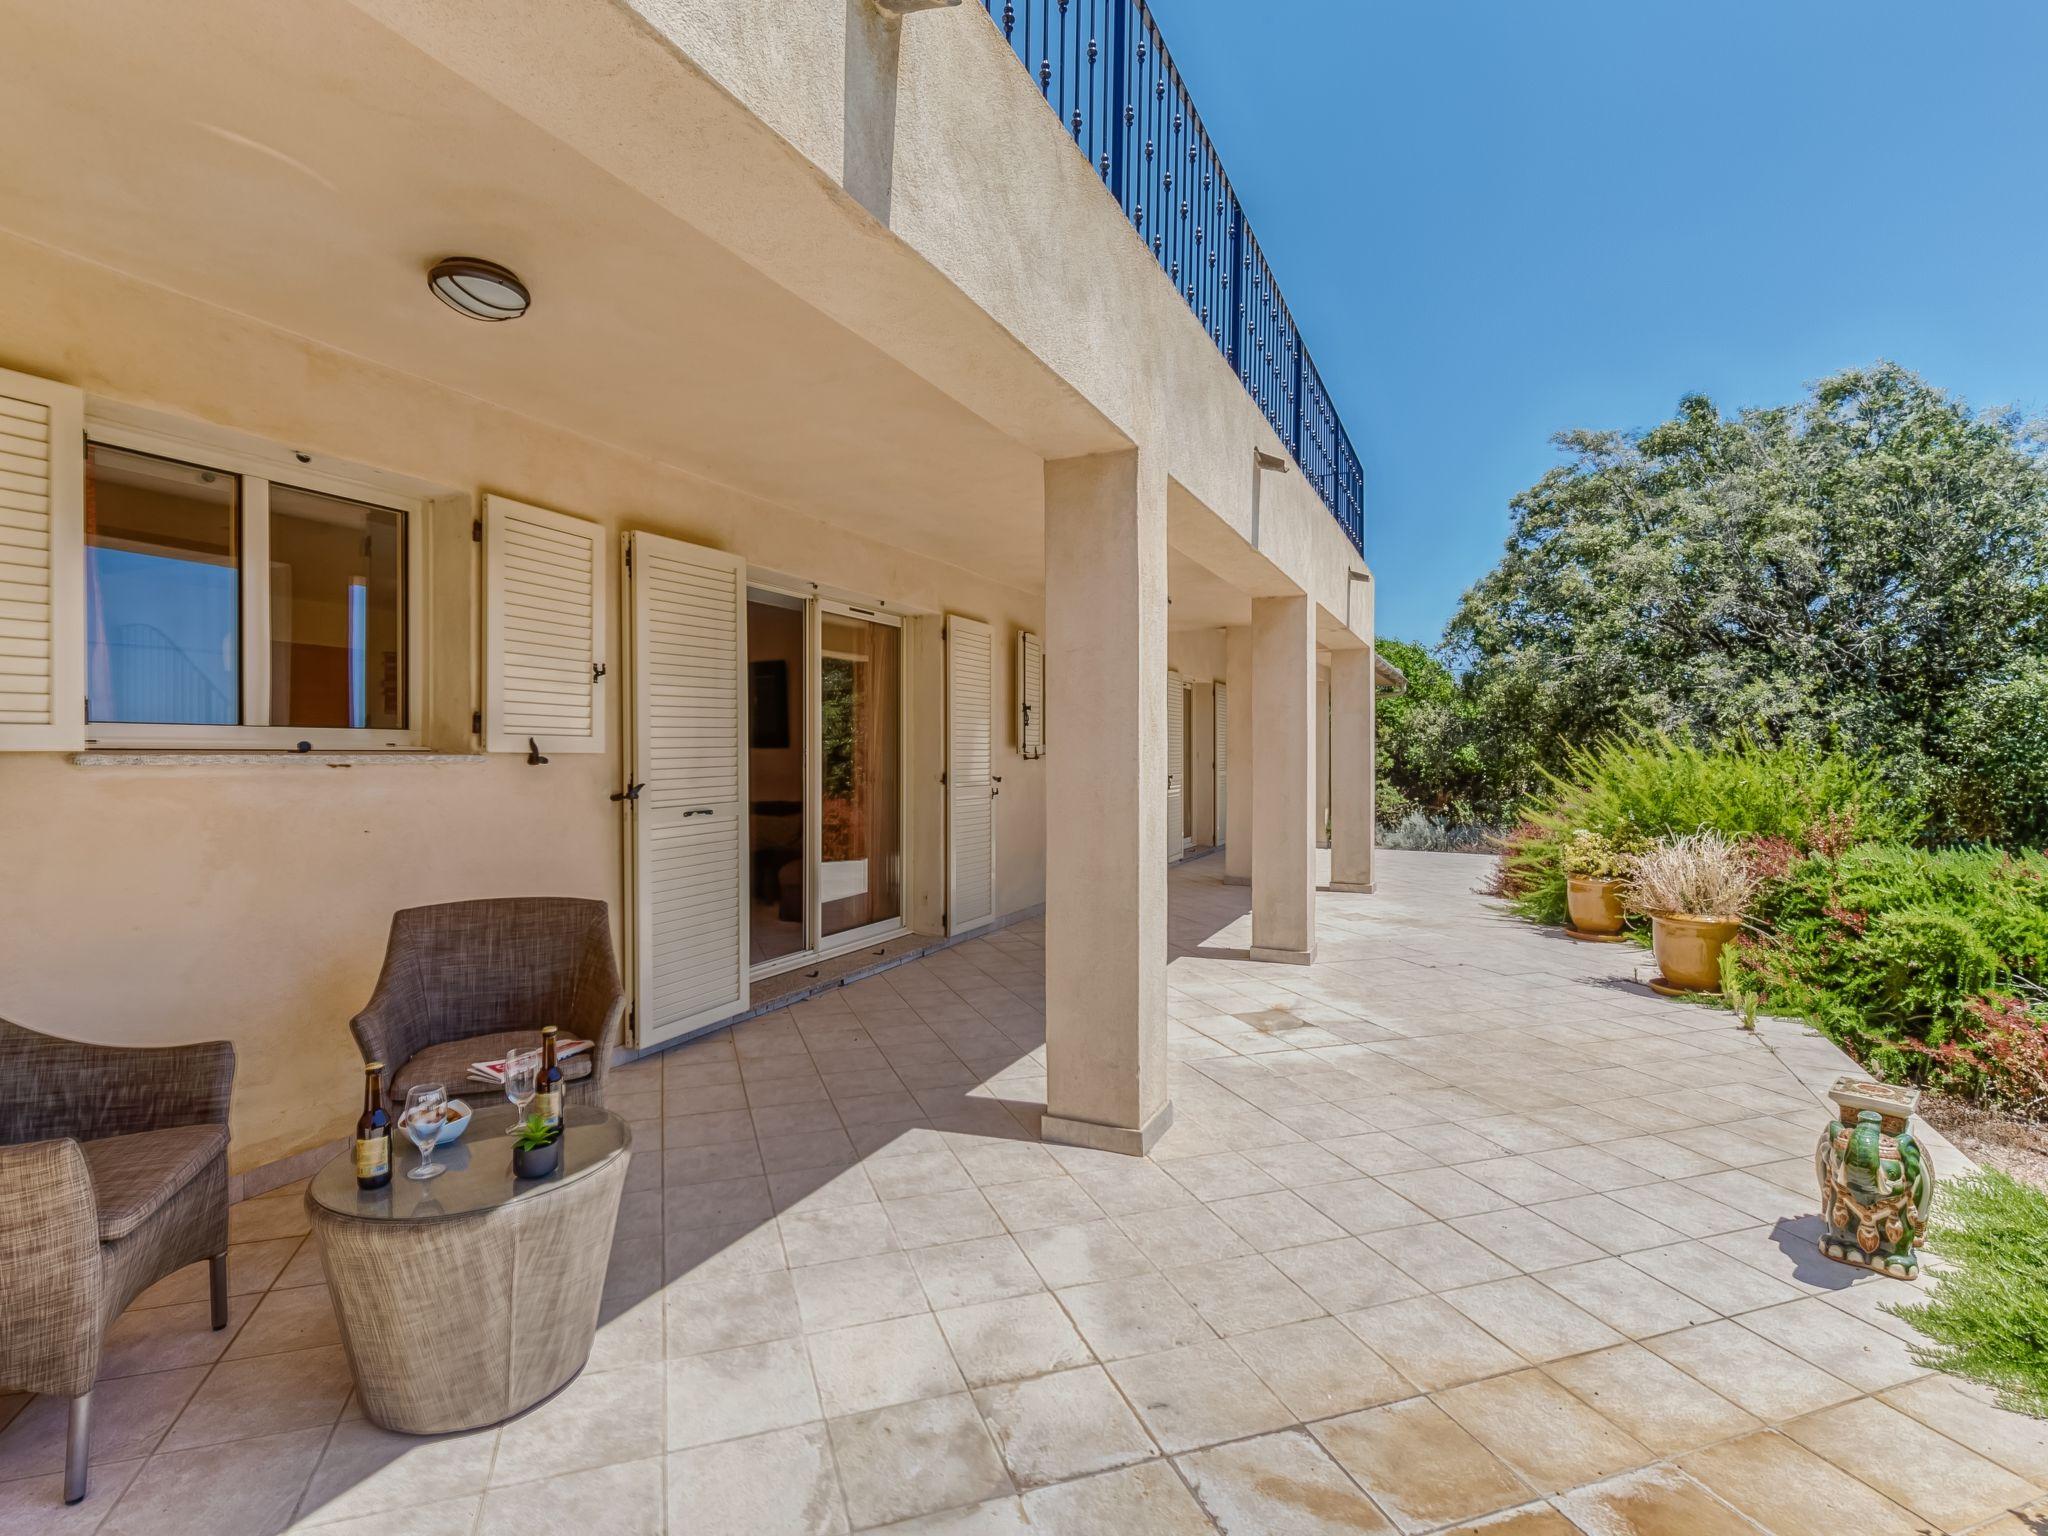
<point x="1987" y="1314"/>
<point x="1998" y="739"/>
<point x="1649" y="786"/>
<point x="1703" y="875"/>
<point x="1592" y="856"/>
<point x="1925" y="965"/>
<point x="1426" y="834"/>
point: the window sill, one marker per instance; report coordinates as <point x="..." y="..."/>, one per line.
<point x="181" y="757"/>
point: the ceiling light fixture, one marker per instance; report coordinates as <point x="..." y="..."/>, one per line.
<point x="480" y="289"/>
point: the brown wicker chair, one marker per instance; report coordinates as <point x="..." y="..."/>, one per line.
<point x="113" y="1174"/>
<point x="469" y="980"/>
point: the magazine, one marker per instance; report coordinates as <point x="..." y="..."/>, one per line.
<point x="492" y="1073"/>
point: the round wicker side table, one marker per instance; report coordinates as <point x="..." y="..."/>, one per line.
<point x="469" y="1297"/>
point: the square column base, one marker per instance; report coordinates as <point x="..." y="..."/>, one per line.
<point x="1107" y="1138"/>
<point x="1350" y="886"/>
<point x="1283" y="956"/>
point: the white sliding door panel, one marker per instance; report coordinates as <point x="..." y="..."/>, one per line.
<point x="686" y="750"/>
<point x="971" y="786"/>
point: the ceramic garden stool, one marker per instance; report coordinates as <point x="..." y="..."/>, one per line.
<point x="466" y="1298"/>
<point x="1876" y="1180"/>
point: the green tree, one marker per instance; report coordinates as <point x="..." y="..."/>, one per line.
<point x="1842" y="570"/>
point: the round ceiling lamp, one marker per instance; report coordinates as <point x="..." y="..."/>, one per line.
<point x="480" y="289"/>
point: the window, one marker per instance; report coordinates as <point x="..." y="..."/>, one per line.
<point x="231" y="601"/>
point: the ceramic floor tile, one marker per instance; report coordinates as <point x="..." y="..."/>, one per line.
<point x="1181" y="1235"/>
<point x="1608" y="1224"/>
<point x="1657" y="1501"/>
<point x="1969" y="1415"/>
<point x="1652" y="1399"/>
<point x="912" y="1459"/>
<point x="1445" y="1192"/>
<point x="1789" y="1491"/>
<point x="1278" y="1485"/>
<point x="980" y="1269"/>
<point x="1525" y="1239"/>
<point x="34" y="1506"/>
<point x="1420" y="1467"/>
<point x="1145" y="1500"/>
<point x="1532" y="1319"/>
<point x="1364" y="1206"/>
<point x="1280" y="1219"/>
<point x="370" y="1472"/>
<point x="1320" y="1368"/>
<point x="1626" y="1299"/>
<point x="847" y="1292"/>
<point x="1018" y="1336"/>
<point x="733" y="1392"/>
<point x="1750" y="1371"/>
<point x="1431" y="1343"/>
<point x="170" y="1338"/>
<point x="1910" y="1464"/>
<point x="779" y="1484"/>
<point x="129" y="1417"/>
<point x="629" y="1493"/>
<point x="265" y="1395"/>
<point x="1728" y="1285"/>
<point x="1861" y="1355"/>
<point x="594" y="1421"/>
<point x="1242" y="1294"/>
<point x="724" y="1311"/>
<point x="1198" y="1395"/>
<point x="877" y="1365"/>
<point x="950" y="1216"/>
<point x="1082" y="1254"/>
<point x="1141" y="1315"/>
<point x="841" y="1232"/>
<point x="249" y="1487"/>
<point x="1545" y="1433"/>
<point x="1063" y="1425"/>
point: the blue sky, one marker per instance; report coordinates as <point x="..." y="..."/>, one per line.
<point x="1495" y="220"/>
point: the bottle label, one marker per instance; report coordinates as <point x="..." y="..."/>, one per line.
<point x="373" y="1156"/>
<point x="548" y="1104"/>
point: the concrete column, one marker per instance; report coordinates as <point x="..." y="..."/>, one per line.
<point x="1352" y="765"/>
<point x="1105" y="778"/>
<point x="1242" y="768"/>
<point x="1284" y="807"/>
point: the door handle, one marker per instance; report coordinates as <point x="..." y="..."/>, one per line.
<point x="702" y="810"/>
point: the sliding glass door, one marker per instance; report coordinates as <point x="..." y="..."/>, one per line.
<point x="825" y="738"/>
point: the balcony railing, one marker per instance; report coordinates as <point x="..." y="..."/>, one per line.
<point x="1104" y="70"/>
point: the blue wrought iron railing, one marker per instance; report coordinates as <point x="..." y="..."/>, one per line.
<point x="1104" y="70"/>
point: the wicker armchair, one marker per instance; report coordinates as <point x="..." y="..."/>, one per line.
<point x="113" y="1174"/>
<point x="469" y="980"/>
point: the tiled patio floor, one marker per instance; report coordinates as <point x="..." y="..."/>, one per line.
<point x="1455" y="1225"/>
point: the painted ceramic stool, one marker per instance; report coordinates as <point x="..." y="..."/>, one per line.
<point x="1876" y="1181"/>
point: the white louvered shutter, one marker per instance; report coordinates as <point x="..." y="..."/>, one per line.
<point x="970" y="785"/>
<point x="1030" y="695"/>
<point x="42" y="565"/>
<point x="686" y="728"/>
<point x="544" y="629"/>
<point x="1176" y="765"/>
<point x="1222" y="762"/>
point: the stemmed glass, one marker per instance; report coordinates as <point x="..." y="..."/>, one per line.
<point x="522" y="1080"/>
<point x="422" y="1122"/>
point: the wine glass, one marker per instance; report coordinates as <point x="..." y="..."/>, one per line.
<point x="422" y="1122"/>
<point x="522" y="1080"/>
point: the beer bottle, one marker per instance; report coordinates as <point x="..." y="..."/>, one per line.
<point x="547" y="1098"/>
<point x="373" y="1133"/>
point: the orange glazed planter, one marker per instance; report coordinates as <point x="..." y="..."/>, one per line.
<point x="1688" y="950"/>
<point x="1594" y="907"/>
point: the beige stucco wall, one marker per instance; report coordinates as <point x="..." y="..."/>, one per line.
<point x="155" y="904"/>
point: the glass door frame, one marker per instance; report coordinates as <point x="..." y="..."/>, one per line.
<point x="816" y="946"/>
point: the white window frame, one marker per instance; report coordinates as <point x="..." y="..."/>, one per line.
<point x="258" y="465"/>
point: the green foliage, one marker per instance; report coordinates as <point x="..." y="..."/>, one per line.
<point x="1440" y="753"/>
<point x="535" y="1132"/>
<point x="1997" y="742"/>
<point x="1988" y="1314"/>
<point x="1841" y="571"/>
<point x="1595" y="856"/>
<point x="1635" y="789"/>
<point x="1900" y="954"/>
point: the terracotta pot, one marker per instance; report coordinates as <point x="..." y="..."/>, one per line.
<point x="1689" y="949"/>
<point x="1594" y="905"/>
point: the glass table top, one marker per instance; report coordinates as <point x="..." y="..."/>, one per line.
<point x="479" y="1169"/>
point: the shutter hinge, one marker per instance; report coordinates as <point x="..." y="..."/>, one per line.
<point x="629" y="555"/>
<point x="476" y="531"/>
<point x="476" y="722"/>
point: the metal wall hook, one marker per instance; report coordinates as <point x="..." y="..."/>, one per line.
<point x="533" y="757"/>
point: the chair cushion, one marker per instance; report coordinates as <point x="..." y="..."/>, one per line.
<point x="132" y="1176"/>
<point x="448" y="1065"/>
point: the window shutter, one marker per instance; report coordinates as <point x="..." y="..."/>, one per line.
<point x="544" y="629"/>
<point x="970" y="779"/>
<point x="1222" y="762"/>
<point x="42" y="565"/>
<point x="1176" y="772"/>
<point x="1030" y="695"/>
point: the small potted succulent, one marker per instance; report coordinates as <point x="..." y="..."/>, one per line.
<point x="1595" y="868"/>
<point x="538" y="1151"/>
<point x="1696" y="890"/>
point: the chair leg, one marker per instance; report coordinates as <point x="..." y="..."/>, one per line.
<point x="77" y="1448"/>
<point x="217" y="1286"/>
